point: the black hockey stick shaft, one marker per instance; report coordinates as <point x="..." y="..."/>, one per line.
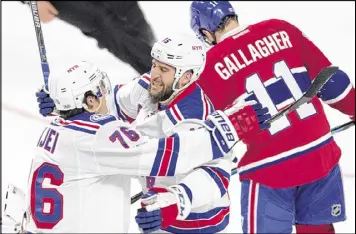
<point x="136" y="197"/>
<point x="40" y="42"/>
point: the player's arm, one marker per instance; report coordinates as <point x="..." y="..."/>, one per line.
<point x="121" y="150"/>
<point x="129" y="97"/>
<point x="338" y="92"/>
<point x="208" y="182"/>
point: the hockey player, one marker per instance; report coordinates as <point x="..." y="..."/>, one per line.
<point x="165" y="101"/>
<point x="80" y="174"/>
<point x="290" y="174"/>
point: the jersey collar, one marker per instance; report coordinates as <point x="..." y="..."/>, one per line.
<point x="233" y="32"/>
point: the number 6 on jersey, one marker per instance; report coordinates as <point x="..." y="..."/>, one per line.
<point x="46" y="203"/>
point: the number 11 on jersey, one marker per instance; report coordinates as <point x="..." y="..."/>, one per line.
<point x="255" y="85"/>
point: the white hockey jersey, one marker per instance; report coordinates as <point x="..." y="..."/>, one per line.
<point x="80" y="175"/>
<point x="207" y="185"/>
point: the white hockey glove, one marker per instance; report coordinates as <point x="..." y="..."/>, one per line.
<point x="161" y="207"/>
<point x="14" y="210"/>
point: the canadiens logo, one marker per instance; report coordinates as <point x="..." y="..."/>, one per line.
<point x="98" y="117"/>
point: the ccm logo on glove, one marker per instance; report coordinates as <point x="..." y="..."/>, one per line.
<point x="181" y="200"/>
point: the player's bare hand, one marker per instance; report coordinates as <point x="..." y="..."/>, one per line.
<point x="46" y="11"/>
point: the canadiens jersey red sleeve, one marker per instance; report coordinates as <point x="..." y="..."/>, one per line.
<point x="338" y="92"/>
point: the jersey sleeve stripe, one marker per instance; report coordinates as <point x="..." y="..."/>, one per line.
<point x="176" y="113"/>
<point x="213" y="221"/>
<point x="217" y="178"/>
<point x="222" y="175"/>
<point x="80" y="123"/>
<point x="158" y="158"/>
<point x="336" y="88"/>
<point x="93" y="132"/>
<point x="147" y="78"/>
<point x="175" y="155"/>
<point x="340" y="97"/>
<point x="170" y="116"/>
<point x="166" y="157"/>
<point x="143" y="84"/>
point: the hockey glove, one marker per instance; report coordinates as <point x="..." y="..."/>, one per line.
<point x="248" y="118"/>
<point x="162" y="207"/>
<point x="45" y="103"/>
<point x="14" y="210"/>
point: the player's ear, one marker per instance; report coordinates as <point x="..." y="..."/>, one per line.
<point x="90" y="101"/>
<point x="208" y="35"/>
<point x="187" y="76"/>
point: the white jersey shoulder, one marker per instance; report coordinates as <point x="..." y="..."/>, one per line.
<point x="131" y="97"/>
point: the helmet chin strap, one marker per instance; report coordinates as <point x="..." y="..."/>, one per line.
<point x="176" y="91"/>
<point x="210" y="43"/>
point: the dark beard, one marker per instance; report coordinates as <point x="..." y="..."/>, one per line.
<point x="161" y="96"/>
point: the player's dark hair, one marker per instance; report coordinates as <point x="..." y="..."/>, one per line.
<point x="70" y="113"/>
<point x="226" y="20"/>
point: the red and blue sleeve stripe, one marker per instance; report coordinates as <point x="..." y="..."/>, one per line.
<point x="212" y="221"/>
<point x="166" y="157"/>
<point x="78" y="125"/>
<point x="144" y="81"/>
<point x="335" y="88"/>
<point x="221" y="178"/>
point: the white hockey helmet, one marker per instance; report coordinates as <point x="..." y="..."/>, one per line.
<point x="68" y="88"/>
<point x="183" y="52"/>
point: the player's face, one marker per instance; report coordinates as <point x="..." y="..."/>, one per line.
<point x="162" y="78"/>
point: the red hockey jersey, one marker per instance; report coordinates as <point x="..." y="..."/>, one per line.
<point x="274" y="63"/>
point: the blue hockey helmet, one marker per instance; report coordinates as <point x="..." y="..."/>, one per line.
<point x="209" y="15"/>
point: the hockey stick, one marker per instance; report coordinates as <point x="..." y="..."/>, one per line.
<point x="40" y="42"/>
<point x="342" y="127"/>
<point x="333" y="132"/>
<point x="323" y="76"/>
